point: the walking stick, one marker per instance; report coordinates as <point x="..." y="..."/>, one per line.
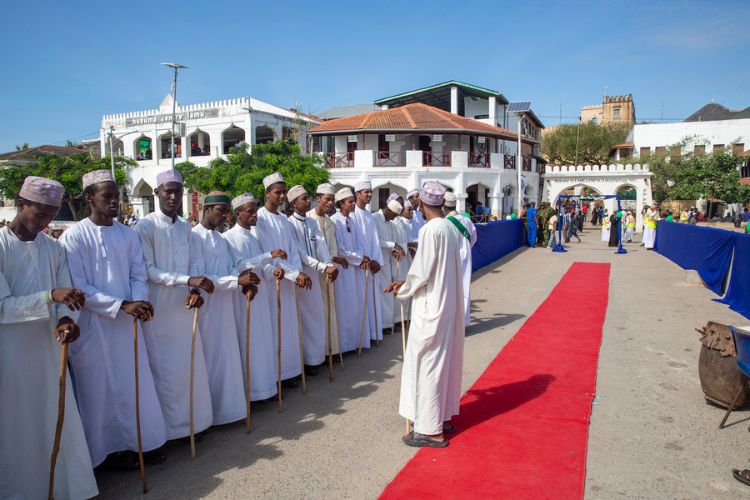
<point x="301" y="352"/>
<point x="278" y="350"/>
<point x="192" y="377"/>
<point x="403" y="329"/>
<point x="138" y="408"/>
<point x="328" y="328"/>
<point x="393" y="310"/>
<point x="364" y="313"/>
<point x="247" y="363"/>
<point x="60" y="419"/>
<point x="375" y="308"/>
<point x="338" y="335"/>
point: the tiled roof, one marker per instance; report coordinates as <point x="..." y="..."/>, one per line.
<point x="411" y="117"/>
<point x="623" y="145"/>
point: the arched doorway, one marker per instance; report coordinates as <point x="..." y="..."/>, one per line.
<point x="118" y="146"/>
<point x="263" y="134"/>
<point x="477" y="193"/>
<point x="383" y="192"/>
<point x="142" y="148"/>
<point x="200" y="143"/>
<point x="508" y="199"/>
<point x="628" y="196"/>
<point x="142" y="199"/>
<point x="231" y="138"/>
<point x="165" y="146"/>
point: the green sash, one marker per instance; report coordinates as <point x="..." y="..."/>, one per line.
<point x="460" y="227"/>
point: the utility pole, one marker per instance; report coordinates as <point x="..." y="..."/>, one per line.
<point x="175" y="67"/>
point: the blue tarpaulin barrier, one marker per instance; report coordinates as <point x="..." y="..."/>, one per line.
<point x="704" y="249"/>
<point x="495" y="240"/>
<point x="738" y="294"/>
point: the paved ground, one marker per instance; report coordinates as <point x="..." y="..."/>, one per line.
<point x="652" y="435"/>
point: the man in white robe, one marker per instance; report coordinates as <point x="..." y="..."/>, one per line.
<point x="317" y="264"/>
<point x="165" y="237"/>
<point x="469" y="238"/>
<point x="391" y="254"/>
<point x="370" y="245"/>
<point x="324" y="199"/>
<point x="106" y="262"/>
<point x="247" y="254"/>
<point x="417" y="220"/>
<point x="211" y="257"/>
<point x="349" y="292"/>
<point x="431" y="377"/>
<point x="274" y="231"/>
<point x="37" y="306"/>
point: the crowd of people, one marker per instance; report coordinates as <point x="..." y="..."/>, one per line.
<point x="303" y="289"/>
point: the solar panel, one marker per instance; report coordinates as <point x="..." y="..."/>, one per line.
<point x="519" y="107"/>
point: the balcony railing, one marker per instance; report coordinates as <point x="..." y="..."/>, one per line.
<point x="339" y="160"/>
<point x="481" y="160"/>
<point x="390" y="159"/>
<point x="509" y="162"/>
<point x="527" y="164"/>
<point x="430" y="159"/>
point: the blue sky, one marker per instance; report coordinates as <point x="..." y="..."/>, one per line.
<point x="65" y="64"/>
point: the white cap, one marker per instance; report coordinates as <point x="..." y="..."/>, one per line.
<point x="295" y="192"/>
<point x="240" y="200"/>
<point x="42" y="190"/>
<point x="343" y="194"/>
<point x="96" y="177"/>
<point x="362" y="185"/>
<point x="325" y="189"/>
<point x="395" y="207"/>
<point x="450" y="199"/>
<point x="413" y="192"/>
<point x="272" y="179"/>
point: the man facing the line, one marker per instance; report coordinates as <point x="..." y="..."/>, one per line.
<point x="38" y="305"/>
<point x="431" y="378"/>
<point x="165" y="237"/>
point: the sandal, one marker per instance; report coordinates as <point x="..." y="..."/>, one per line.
<point x="154" y="457"/>
<point x="121" y="460"/>
<point x="449" y="429"/>
<point x="742" y="476"/>
<point x="418" y="440"/>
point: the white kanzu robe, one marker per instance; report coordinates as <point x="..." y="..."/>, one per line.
<point x="247" y="254"/>
<point x="106" y="262"/>
<point x="275" y="232"/>
<point x="313" y="254"/>
<point x="349" y="292"/>
<point x="466" y="262"/>
<point x="210" y="257"/>
<point x="387" y="238"/>
<point x="370" y="246"/>
<point x="328" y="231"/>
<point x="166" y="252"/>
<point x="29" y="371"/>
<point x="431" y="378"/>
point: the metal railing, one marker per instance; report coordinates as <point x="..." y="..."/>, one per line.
<point x="339" y="160"/>
<point x="509" y="162"/>
<point x="481" y="160"/>
<point x="390" y="159"/>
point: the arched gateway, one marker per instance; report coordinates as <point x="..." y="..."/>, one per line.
<point x="602" y="178"/>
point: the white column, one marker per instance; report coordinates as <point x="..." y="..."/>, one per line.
<point x="493" y="111"/>
<point x="454" y="100"/>
<point x="461" y="202"/>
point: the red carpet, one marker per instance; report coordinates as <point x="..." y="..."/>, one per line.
<point x="523" y="427"/>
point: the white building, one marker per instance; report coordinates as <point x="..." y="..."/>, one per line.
<point x="452" y="132"/>
<point x="210" y="129"/>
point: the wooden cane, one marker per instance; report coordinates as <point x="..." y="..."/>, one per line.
<point x="338" y="335"/>
<point x="375" y="308"/>
<point x="60" y="418"/>
<point x="193" y="454"/>
<point x="247" y="363"/>
<point x="403" y="329"/>
<point x="393" y="311"/>
<point x="328" y="328"/>
<point x="278" y="350"/>
<point x="301" y="351"/>
<point x="364" y="313"/>
<point x="138" y="408"/>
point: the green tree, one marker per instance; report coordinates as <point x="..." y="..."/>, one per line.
<point x="67" y="170"/>
<point x="586" y="143"/>
<point x="243" y="172"/>
<point x="712" y="176"/>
